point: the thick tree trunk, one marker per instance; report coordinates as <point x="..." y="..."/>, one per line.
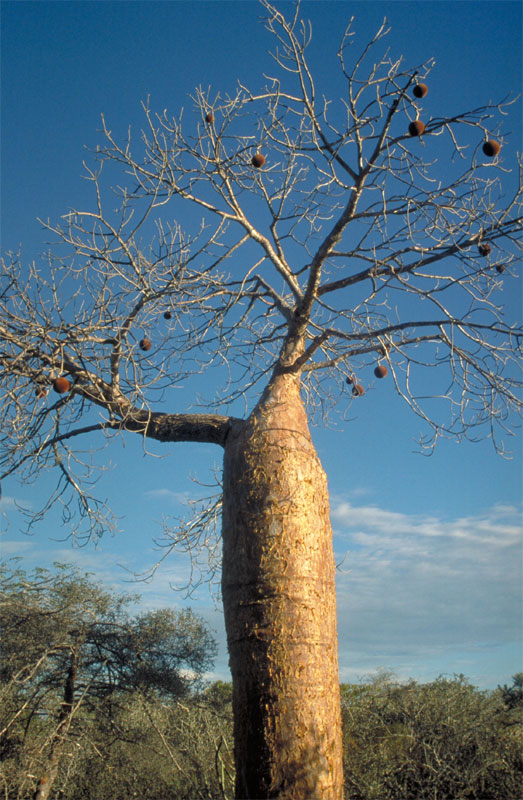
<point x="280" y="607"/>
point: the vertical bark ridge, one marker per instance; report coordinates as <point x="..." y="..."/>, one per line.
<point x="279" y="601"/>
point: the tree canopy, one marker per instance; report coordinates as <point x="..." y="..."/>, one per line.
<point x="70" y="648"/>
<point x="47" y="616"/>
<point x="249" y="223"/>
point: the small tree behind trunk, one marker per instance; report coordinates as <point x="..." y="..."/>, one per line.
<point x="280" y="607"/>
<point x="46" y="781"/>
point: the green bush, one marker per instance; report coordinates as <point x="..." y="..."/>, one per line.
<point x="444" y="740"/>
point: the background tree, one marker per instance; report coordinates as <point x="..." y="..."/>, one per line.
<point x="70" y="648"/>
<point x="513" y="695"/>
<point x="320" y="241"/>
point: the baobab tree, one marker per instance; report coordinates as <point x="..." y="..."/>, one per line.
<point x="321" y="240"/>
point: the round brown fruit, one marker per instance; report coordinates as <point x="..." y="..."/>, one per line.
<point x="358" y="390"/>
<point x="167" y="315"/>
<point x="258" y="160"/>
<point x="40" y="391"/>
<point x="500" y="268"/>
<point x="61" y="385"/>
<point x="145" y="344"/>
<point x="420" y="90"/>
<point x="416" y="128"/>
<point x="491" y="148"/>
<point x="381" y="371"/>
<point x="349" y="380"/>
<point x="209" y="117"/>
<point x="484" y="248"/>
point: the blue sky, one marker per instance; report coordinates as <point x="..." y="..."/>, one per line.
<point x="429" y="547"/>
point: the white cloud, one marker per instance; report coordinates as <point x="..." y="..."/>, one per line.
<point x="9" y="548"/>
<point x="414" y="587"/>
<point x="181" y="498"/>
<point x="8" y="503"/>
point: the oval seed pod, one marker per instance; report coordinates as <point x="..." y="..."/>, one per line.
<point x="416" y="128"/>
<point x="381" y="371"/>
<point x="258" y="160"/>
<point x="420" y="90"/>
<point x="491" y="148"/>
<point x="145" y="344"/>
<point x="61" y="385"/>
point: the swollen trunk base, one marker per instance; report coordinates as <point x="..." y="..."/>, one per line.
<point x="280" y="607"/>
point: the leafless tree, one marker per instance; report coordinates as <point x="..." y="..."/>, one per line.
<point x="321" y="240"/>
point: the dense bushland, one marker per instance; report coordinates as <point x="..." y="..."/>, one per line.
<point x="443" y="740"/>
<point x="115" y="704"/>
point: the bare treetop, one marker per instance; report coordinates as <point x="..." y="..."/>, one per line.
<point x="273" y="230"/>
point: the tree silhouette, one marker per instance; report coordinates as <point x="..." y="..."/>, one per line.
<point x="320" y="241"/>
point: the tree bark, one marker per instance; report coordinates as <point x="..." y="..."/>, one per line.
<point x="280" y="607"/>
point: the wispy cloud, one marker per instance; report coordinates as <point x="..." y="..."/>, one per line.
<point x="8" y="503"/>
<point x="11" y="548"/>
<point x="109" y="563"/>
<point x="418" y="586"/>
<point x="179" y="498"/>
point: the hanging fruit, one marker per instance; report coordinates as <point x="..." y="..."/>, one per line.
<point x="40" y="391"/>
<point x="358" y="390"/>
<point x="500" y="268"/>
<point x="416" y="128"/>
<point x="491" y="148"/>
<point x="484" y="248"/>
<point x="209" y="117"/>
<point x="258" y="160"/>
<point x="167" y="315"/>
<point x="349" y="380"/>
<point x="61" y="385"/>
<point x="145" y="344"/>
<point x="381" y="371"/>
<point x="420" y="90"/>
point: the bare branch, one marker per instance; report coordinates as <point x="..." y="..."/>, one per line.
<point x="344" y="245"/>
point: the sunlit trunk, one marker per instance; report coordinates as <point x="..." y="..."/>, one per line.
<point x="280" y="606"/>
